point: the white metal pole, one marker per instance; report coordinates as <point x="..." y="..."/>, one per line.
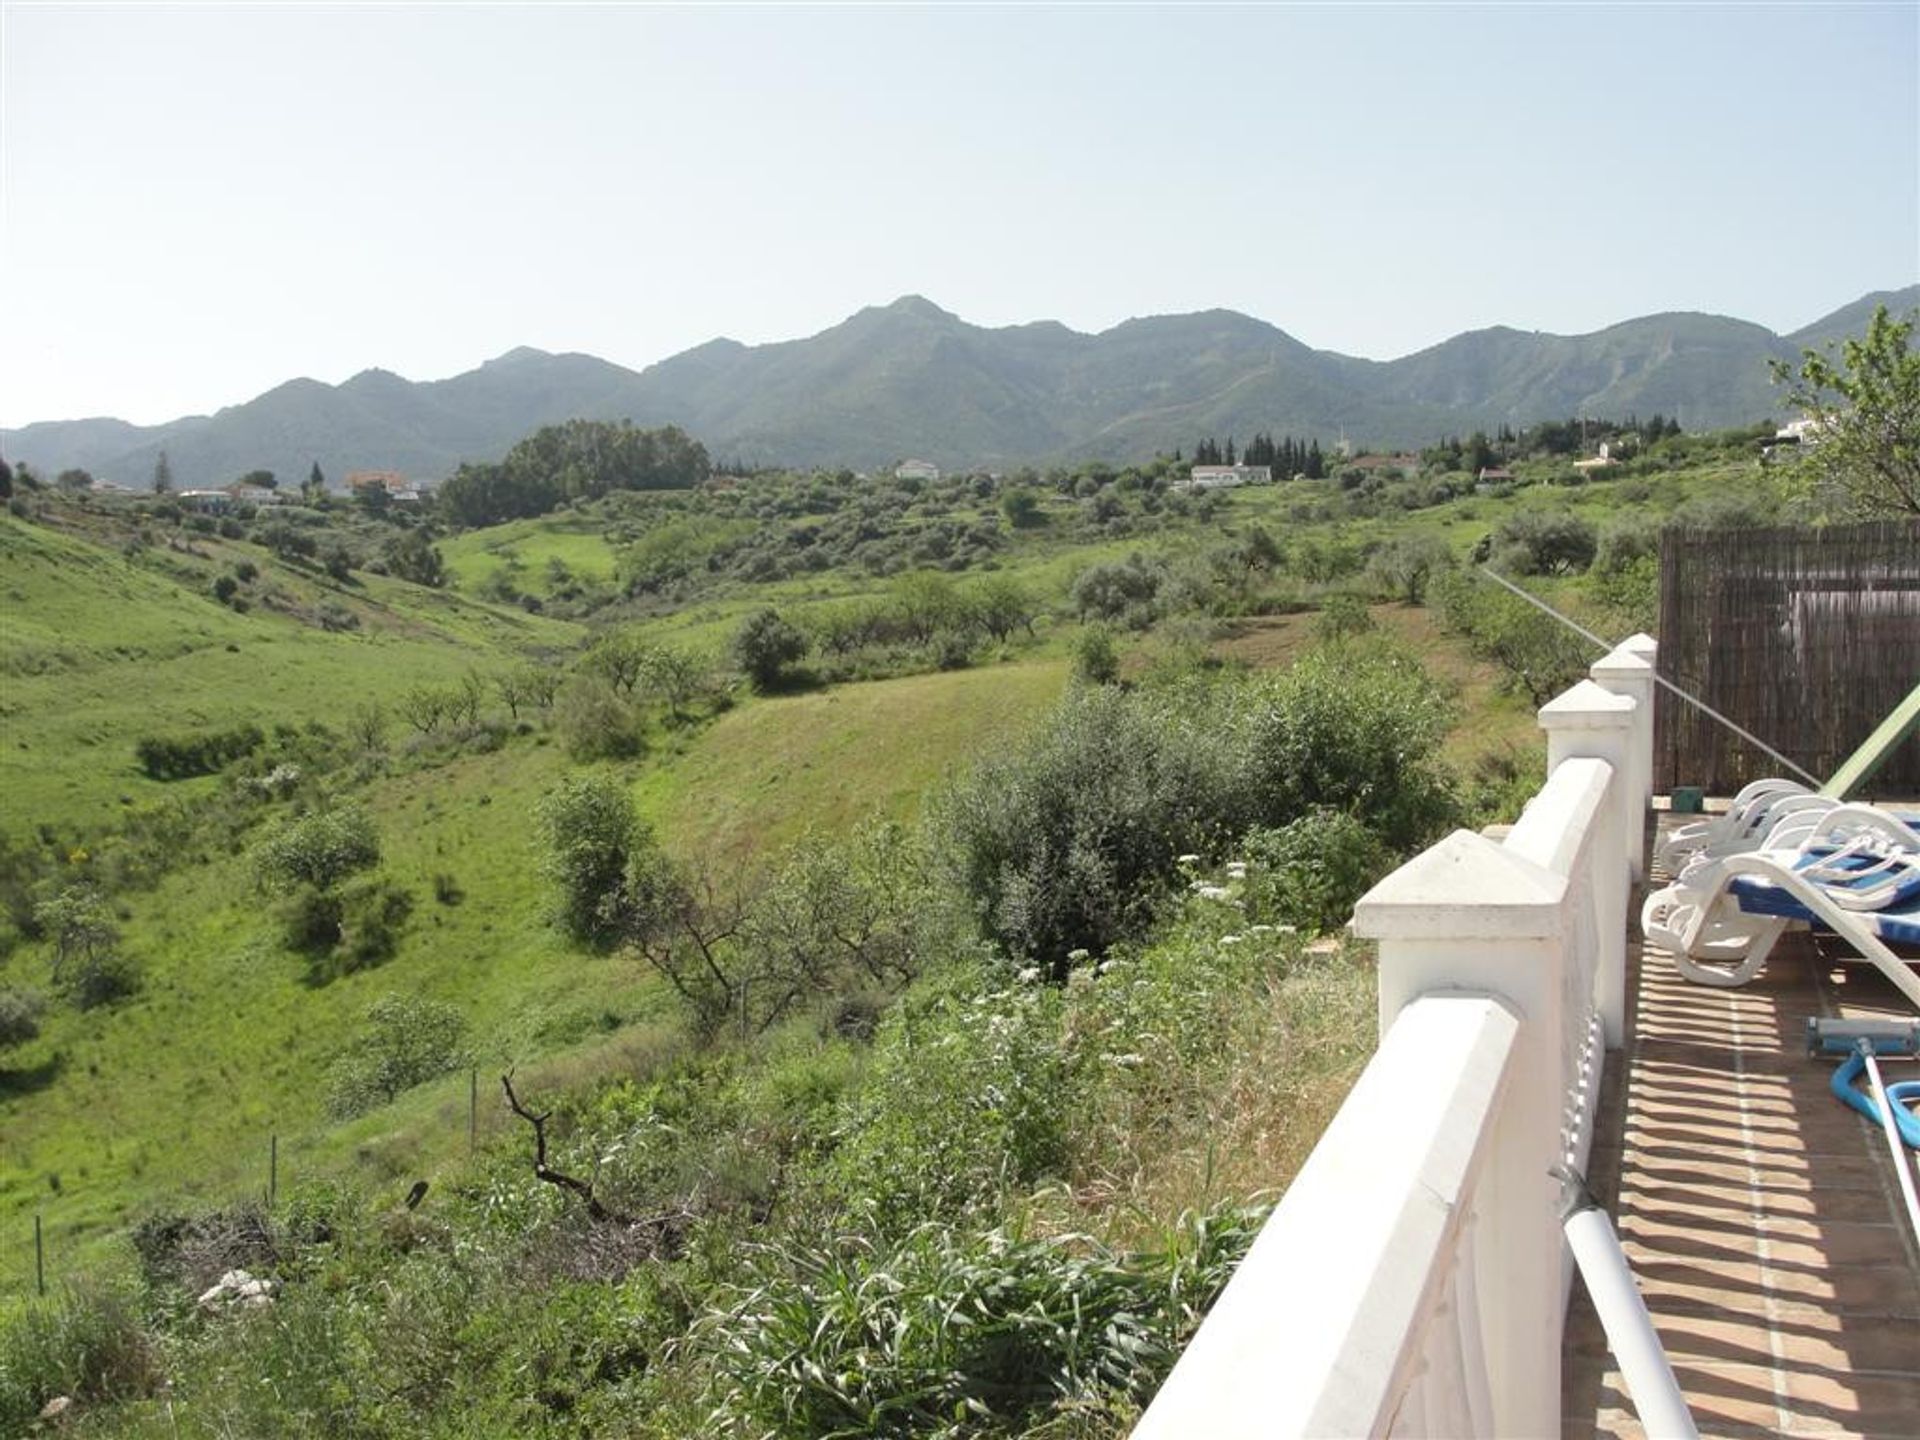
<point x="1630" y="1334"/>
<point x="1894" y="1143"/>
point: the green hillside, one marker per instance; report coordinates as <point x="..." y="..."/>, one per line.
<point x="98" y="650"/>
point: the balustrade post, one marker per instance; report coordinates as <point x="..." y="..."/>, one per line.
<point x="1626" y="670"/>
<point x="1588" y="722"/>
<point x="1470" y="916"/>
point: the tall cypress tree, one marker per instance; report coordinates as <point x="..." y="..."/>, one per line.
<point x="162" y="475"/>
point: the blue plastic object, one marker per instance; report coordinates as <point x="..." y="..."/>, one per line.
<point x="1899" y="1095"/>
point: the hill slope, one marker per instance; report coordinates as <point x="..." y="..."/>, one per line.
<point x="911" y="379"/>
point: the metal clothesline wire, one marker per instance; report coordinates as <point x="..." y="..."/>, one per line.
<point x="1658" y="678"/>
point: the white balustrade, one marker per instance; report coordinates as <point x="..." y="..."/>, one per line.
<point x="1414" y="1279"/>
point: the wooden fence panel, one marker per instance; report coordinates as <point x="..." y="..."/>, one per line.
<point x="1806" y="637"/>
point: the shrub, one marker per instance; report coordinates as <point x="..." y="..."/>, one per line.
<point x="591" y="833"/>
<point x="224" y="587"/>
<point x="179" y="757"/>
<point x="1095" y="661"/>
<point x="1063" y="845"/>
<point x="1355" y="728"/>
<point x="1342" y="614"/>
<point x="20" y="1012"/>
<point x="317" y="850"/>
<point x="968" y="1095"/>
<point x="407" y="1040"/>
<point x="765" y="646"/>
<point x="87" y="964"/>
<point x="289" y="542"/>
<point x="596" y="724"/>
<point x="1309" y="872"/>
<point x="1054" y="844"/>
<point x="103" y="979"/>
<point x="1118" y="592"/>
<point x="346" y="929"/>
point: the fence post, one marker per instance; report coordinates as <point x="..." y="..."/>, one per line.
<point x="473" y="1110"/>
<point x="1588" y="722"/>
<point x="39" y="1259"/>
<point x="1470" y="916"/>
<point x="273" y="1169"/>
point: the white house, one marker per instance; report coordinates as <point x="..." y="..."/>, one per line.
<point x="917" y="470"/>
<point x="1225" y="477"/>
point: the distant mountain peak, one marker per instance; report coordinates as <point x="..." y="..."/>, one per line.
<point x="920" y="307"/>
<point x="519" y="355"/>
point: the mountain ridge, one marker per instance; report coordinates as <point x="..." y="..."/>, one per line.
<point x="912" y="378"/>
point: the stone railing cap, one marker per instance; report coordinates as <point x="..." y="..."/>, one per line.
<point x="1622" y="662"/>
<point x="1587" y="705"/>
<point x="1465" y="888"/>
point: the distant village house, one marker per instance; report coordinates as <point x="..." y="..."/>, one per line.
<point x="1225" y="477"/>
<point x="392" y="481"/>
<point x="917" y="470"/>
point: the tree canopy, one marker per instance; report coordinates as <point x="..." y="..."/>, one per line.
<point x="578" y="460"/>
<point x="1864" y="447"/>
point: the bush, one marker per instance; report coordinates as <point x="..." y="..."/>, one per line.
<point x="1095" y="661"/>
<point x="1309" y="872"/>
<point x="346" y="929"/>
<point x="20" y="1012"/>
<point x="1055" y="844"/>
<point x="591" y="834"/>
<point x="1355" y="728"/>
<point x="1063" y="845"/>
<point x="317" y="850"/>
<point x="407" y="1040"/>
<point x="87" y="965"/>
<point x="596" y="724"/>
<point x="180" y="757"/>
<point x="967" y="1095"/>
<point x="765" y="646"/>
<point x="103" y="979"/>
<point x="1342" y="614"/>
<point x="1118" y="592"/>
<point x="1403" y="568"/>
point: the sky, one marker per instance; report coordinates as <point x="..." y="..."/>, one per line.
<point x="200" y="202"/>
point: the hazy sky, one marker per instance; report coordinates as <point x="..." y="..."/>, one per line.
<point x="198" y="202"/>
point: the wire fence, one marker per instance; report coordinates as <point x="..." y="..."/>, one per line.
<point x="1807" y="637"/>
<point x="57" y="1241"/>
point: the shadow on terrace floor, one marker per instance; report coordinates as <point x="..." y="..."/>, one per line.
<point x="1761" y="1217"/>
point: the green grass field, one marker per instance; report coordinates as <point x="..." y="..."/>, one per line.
<point x="767" y="772"/>
<point x="97" y="651"/>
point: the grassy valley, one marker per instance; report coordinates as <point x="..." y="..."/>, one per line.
<point x="894" y="900"/>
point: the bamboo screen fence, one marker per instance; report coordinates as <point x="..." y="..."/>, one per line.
<point x="1808" y="638"/>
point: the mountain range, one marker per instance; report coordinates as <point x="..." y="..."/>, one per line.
<point x="910" y="379"/>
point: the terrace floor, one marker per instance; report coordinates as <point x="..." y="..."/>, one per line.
<point x="1760" y="1216"/>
